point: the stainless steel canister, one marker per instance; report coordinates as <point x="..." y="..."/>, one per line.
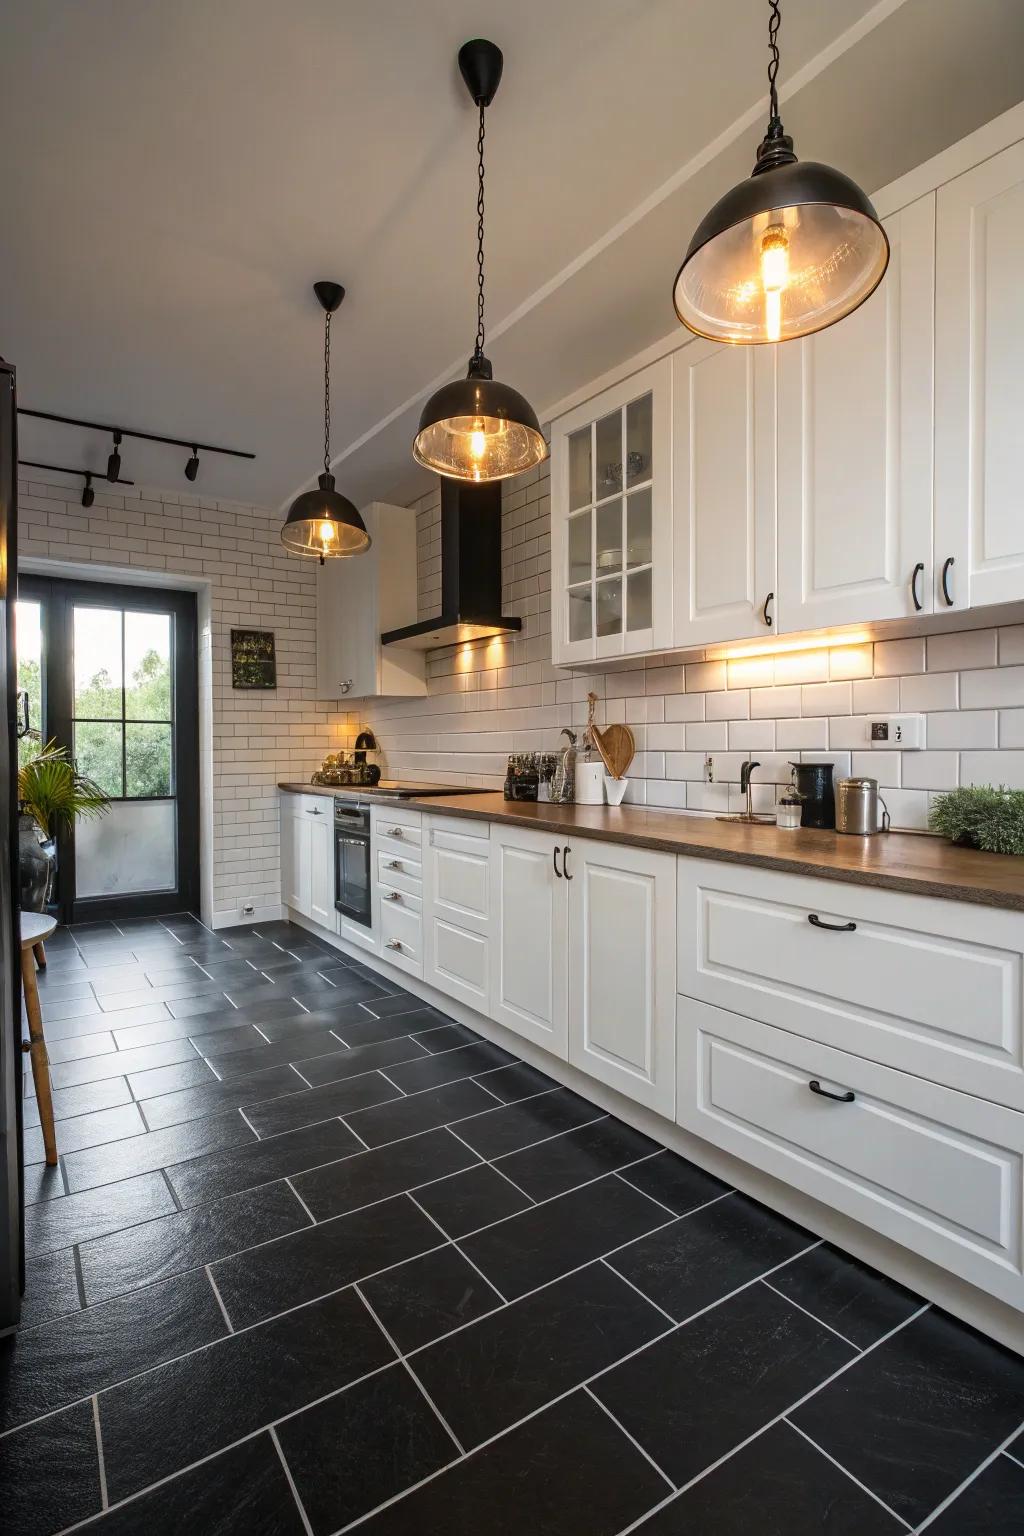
<point x="857" y="807"/>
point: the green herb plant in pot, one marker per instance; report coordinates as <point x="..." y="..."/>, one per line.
<point x="980" y="816"/>
<point x="52" y="794"/>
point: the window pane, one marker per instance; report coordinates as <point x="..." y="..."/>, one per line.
<point x="638" y="600"/>
<point x="579" y="547"/>
<point x="147" y="751"/>
<point x="147" y="666"/>
<point x="97" y="750"/>
<point x="638" y="528"/>
<point x="609" y="455"/>
<point x="97" y="640"/>
<point x="29" y="642"/>
<point x="131" y="848"/>
<point x="638" y="441"/>
<point x="579" y="469"/>
<point x="609" y="606"/>
<point x="609" y="538"/>
<point x="581" y="613"/>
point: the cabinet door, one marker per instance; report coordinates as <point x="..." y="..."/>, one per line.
<point x="855" y="419"/>
<point x="348" y="642"/>
<point x="295" y="857"/>
<point x="723" y="408"/>
<point x="611" y="523"/>
<point x="622" y="970"/>
<point x="321" y="872"/>
<point x="979" y="341"/>
<point x="528" y="921"/>
<point x="456" y="910"/>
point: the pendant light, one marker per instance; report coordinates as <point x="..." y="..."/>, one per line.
<point x="321" y="522"/>
<point x="476" y="428"/>
<point x="787" y="252"/>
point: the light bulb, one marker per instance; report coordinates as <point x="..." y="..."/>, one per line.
<point x="774" y="278"/>
<point x="327" y="534"/>
<point x="478" y="444"/>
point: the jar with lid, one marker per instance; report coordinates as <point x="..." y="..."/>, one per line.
<point x="789" y="809"/>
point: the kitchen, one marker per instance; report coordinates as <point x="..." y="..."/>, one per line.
<point x="680" y="1159"/>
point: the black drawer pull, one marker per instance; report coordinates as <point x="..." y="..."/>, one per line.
<point x="565" y="861"/>
<point x="823" y="1093"/>
<point x="554" y="856"/>
<point x="918" y="568"/>
<point x="816" y="922"/>
<point x="947" y="564"/>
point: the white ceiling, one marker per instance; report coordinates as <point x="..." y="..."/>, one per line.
<point x="176" y="174"/>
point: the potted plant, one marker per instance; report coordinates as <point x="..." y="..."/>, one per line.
<point x="980" y="816"/>
<point x="51" y="795"/>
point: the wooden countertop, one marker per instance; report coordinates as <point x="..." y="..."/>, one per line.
<point x="895" y="861"/>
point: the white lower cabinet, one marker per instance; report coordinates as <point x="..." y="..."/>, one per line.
<point x="396" y="900"/>
<point x="456" y="924"/>
<point x="321" y="869"/>
<point x="307" y="857"/>
<point x="528" y="929"/>
<point x="935" y="1170"/>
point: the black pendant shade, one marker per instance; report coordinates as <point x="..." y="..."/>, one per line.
<point x="789" y="251"/>
<point x="324" y="523"/>
<point x="475" y="428"/>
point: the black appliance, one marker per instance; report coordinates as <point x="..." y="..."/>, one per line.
<point x="818" y="801"/>
<point x="11" y="1171"/>
<point x="470" y="572"/>
<point x="352" y="873"/>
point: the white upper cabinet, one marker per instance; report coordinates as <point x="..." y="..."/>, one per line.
<point x="855" y="417"/>
<point x="723" y="406"/>
<point x="611" y="521"/>
<point x="359" y="598"/>
<point x="979" y="424"/>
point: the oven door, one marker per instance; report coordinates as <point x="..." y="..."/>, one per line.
<point x="352" y="874"/>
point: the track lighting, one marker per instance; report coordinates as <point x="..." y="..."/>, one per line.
<point x="114" y="460"/>
<point x="192" y="467"/>
<point x="88" y="494"/>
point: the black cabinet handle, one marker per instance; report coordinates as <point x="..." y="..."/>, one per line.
<point x="823" y="1093"/>
<point x="554" y="857"/>
<point x="816" y="922"/>
<point x="764" y="611"/>
<point x="565" y="861"/>
<point x="918" y="568"/>
<point x="945" y="582"/>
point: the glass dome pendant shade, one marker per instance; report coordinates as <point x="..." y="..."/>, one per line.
<point x="324" y="523"/>
<point x="789" y="251"/>
<point x="476" y="428"/>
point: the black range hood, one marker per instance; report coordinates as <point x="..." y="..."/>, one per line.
<point x="470" y="573"/>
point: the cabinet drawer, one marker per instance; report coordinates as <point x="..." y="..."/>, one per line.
<point x="932" y="1169"/>
<point x="307" y="805"/>
<point x="396" y="900"/>
<point x="401" y="937"/>
<point x="395" y="830"/>
<point x="400" y="871"/>
<point x="456" y="961"/>
<point x="928" y="986"/>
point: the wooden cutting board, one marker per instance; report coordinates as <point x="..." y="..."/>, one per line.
<point x="617" y="747"/>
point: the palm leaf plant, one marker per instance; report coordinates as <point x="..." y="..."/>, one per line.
<point x="54" y="793"/>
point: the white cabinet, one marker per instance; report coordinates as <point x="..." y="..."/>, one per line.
<point x="397" y="886"/>
<point x="979" y="341"/>
<point x="295" y="849"/>
<point x="528" y="928"/>
<point x="456" y="901"/>
<point x="356" y="600"/>
<point x="723" y="476"/>
<point x="855" y="449"/>
<point x="321" y="867"/>
<point x="611" y="521"/>
<point x="307" y="857"/>
<point x="622" y="969"/>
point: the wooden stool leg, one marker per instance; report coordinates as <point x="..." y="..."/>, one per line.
<point x="40" y="1060"/>
<point x="40" y="953"/>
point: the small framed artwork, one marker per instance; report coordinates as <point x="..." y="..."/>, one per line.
<point x="253" y="662"/>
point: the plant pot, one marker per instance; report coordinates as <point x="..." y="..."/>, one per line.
<point x="37" y="859"/>
<point x="615" y="789"/>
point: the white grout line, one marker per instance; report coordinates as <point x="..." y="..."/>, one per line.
<point x="297" y="1074"/>
<point x="249" y="1123"/>
<point x="261" y="1034"/>
<point x="358" y="1138"/>
<point x="291" y="1482"/>
<point x="402" y="1090"/>
<point x="846" y="1471"/>
<point x="636" y="1443"/>
<point x="950" y="1498"/>
<point x="454" y="1243"/>
<point x="302" y="1202"/>
<point x="104" y="1500"/>
<point x="412" y="1374"/>
<point x="812" y="1315"/>
<point x="1015" y="1459"/>
<point x="503" y="1175"/>
<point x="220" y="1300"/>
<point x="642" y="1294"/>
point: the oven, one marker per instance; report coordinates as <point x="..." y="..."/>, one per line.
<point x="352" y="885"/>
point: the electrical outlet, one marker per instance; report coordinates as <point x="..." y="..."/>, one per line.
<point x="709" y="768"/>
<point x="898" y="733"/>
<point x="248" y="910"/>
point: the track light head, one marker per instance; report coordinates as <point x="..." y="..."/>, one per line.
<point x="192" y="467"/>
<point x="88" y="494"/>
<point x="114" y="461"/>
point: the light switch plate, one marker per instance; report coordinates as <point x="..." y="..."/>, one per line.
<point x="899" y="733"/>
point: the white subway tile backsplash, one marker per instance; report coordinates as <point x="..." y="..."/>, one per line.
<point x="1011" y="645"/>
<point x="895" y="658"/>
<point x="880" y="696"/>
<point x="851" y="661"/>
<point x="703" y="676"/>
<point x="707" y="736"/>
<point x="827" y="699"/>
<point x="793" y="735"/>
<point x="775" y="703"/>
<point x="883" y="766"/>
<point x="685" y="706"/>
<point x="849" y="732"/>
<point x="994" y="689"/>
<point x="960" y="728"/>
<point x="752" y="672"/>
<point x="967" y="648"/>
<point x="730" y="704"/>
<point x="1006" y="768"/>
<point x="802" y="667"/>
<point x="908" y="808"/>
<point x="749" y="735"/>
<point x="1011" y="730"/>
<point x="931" y="770"/>
<point x="932" y="690"/>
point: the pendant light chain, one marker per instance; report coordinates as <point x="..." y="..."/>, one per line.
<point x="480" y="238"/>
<point x="773" y="44"/>
<point x="327" y="393"/>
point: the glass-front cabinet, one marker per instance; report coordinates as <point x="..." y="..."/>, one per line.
<point x="611" y="522"/>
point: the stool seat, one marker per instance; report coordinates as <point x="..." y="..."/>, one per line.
<point x="35" y="927"/>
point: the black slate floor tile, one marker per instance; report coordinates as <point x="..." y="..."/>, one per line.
<point x="449" y="1066"/>
<point x="184" y="1074"/>
<point x="567" y="1472"/>
<point x="676" y="1183"/>
<point x="993" y="1505"/>
<point x="492" y="1374"/>
<point x="51" y="1288"/>
<point x="42" y="1183"/>
<point x="260" y="1162"/>
<point x="318" y="1070"/>
<point x="216" y="1396"/>
<point x="398" y="1001"/>
<point x="706" y="1255"/>
<point x="294" y="1026"/>
<point x="213" y="1098"/>
<point x="368" y="1176"/>
<point x="311" y="989"/>
<point x="473" y="1199"/>
<point x="420" y="1300"/>
<point x="693" y="1396"/>
<point x="915" y="1417"/>
<point x="93" y="1130"/>
<point x="586" y="1153"/>
<point x="438" y="1033"/>
<point x="118" y="1160"/>
<point x="519" y="1081"/>
<point x="215" y="1043"/>
<point x="419" y="1112"/>
<point x="178" y="1028"/>
<point x="856" y="1301"/>
<point x="241" y="1063"/>
<point x="370" y="1029"/>
<point x="68" y="1074"/>
<point x="50" y="1473"/>
<point x="79" y="1047"/>
<point x="776" y="1486"/>
<point x="546" y="1241"/>
<point x="520" y="1125"/>
<point x="310" y="1263"/>
<point x="70" y="1102"/>
<point x="170" y="1245"/>
<point x="241" y="1492"/>
<point x="391" y="1437"/>
<point x="51" y="1366"/>
<point x="313" y="1104"/>
<point x="72" y="1219"/>
<point x="213" y="1005"/>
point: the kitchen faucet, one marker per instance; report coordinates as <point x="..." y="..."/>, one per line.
<point x="746" y="771"/>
